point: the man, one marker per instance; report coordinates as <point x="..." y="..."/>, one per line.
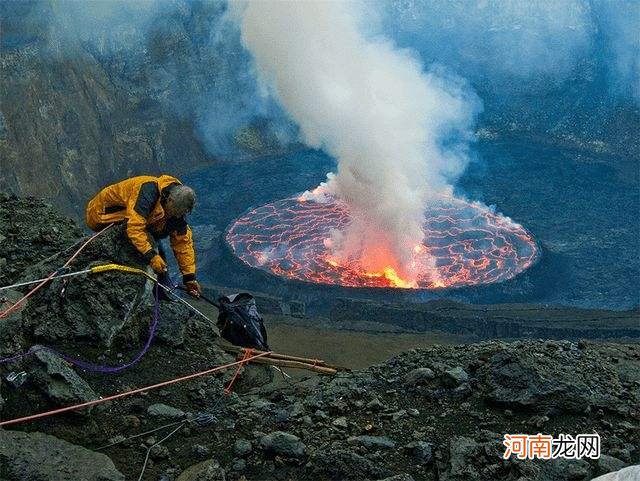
<point x="151" y="208"/>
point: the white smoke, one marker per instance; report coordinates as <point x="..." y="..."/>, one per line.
<point x="399" y="133"/>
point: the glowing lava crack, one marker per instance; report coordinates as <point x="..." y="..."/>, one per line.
<point x="469" y="243"/>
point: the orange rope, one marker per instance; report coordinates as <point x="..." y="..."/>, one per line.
<point x="17" y="304"/>
<point x="243" y="361"/>
<point x="128" y="393"/>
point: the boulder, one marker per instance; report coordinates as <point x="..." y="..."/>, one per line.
<point x="419" y="376"/>
<point x="421" y="451"/>
<point x="283" y="444"/>
<point x="163" y="411"/>
<point x="93" y="308"/>
<point x="372" y="442"/>
<point x="541" y="378"/>
<point x="242" y="447"/>
<point x="40" y="457"/>
<point x="608" y="464"/>
<point x="455" y="376"/>
<point x="209" y="470"/>
<point x="54" y="377"/>
<point x="338" y="463"/>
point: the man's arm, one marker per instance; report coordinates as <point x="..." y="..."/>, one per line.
<point x="182" y="244"/>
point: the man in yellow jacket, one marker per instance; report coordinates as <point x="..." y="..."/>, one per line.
<point x="152" y="208"/>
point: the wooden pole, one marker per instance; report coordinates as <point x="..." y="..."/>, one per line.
<point x="295" y="365"/>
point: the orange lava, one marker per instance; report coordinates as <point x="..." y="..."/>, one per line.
<point x="465" y="244"/>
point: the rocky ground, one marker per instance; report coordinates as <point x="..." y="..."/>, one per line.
<point x="437" y="413"/>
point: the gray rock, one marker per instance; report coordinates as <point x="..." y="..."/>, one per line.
<point x="608" y="464"/>
<point x="57" y="380"/>
<point x="399" y="477"/>
<point x="200" y="451"/>
<point x="40" y="457"/>
<point x="418" y="376"/>
<point x="297" y="410"/>
<point x="455" y="376"/>
<point x="421" y="451"/>
<point x="173" y="323"/>
<point x="341" y="464"/>
<point x="562" y="379"/>
<point x="340" y="422"/>
<point x="376" y="442"/>
<point x="242" y="447"/>
<point x="239" y="465"/>
<point x="565" y="470"/>
<point x="284" y="444"/>
<point x="375" y="405"/>
<point x="467" y="459"/>
<point x="209" y="470"/>
<point x="164" y="411"/>
<point x="98" y="308"/>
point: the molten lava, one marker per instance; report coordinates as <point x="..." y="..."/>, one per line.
<point x="465" y="244"/>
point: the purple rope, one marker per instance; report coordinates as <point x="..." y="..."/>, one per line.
<point x="88" y="366"/>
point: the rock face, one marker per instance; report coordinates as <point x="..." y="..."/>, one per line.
<point x="40" y="457"/>
<point x="89" y="105"/>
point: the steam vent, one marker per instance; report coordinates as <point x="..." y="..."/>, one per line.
<point x="466" y="243"/>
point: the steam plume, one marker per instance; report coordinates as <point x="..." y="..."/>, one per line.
<point x="399" y="133"/>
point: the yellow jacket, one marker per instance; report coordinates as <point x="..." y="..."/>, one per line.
<point x="138" y="202"/>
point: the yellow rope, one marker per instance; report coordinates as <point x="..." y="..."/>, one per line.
<point x="119" y="267"/>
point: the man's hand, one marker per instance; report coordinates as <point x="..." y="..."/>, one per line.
<point x="158" y="264"/>
<point x="193" y="288"/>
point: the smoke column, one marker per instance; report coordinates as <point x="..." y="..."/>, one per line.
<point x="400" y="134"/>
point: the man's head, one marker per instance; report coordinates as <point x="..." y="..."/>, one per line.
<point x="180" y="201"/>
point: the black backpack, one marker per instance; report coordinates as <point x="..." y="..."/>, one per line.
<point x="240" y="322"/>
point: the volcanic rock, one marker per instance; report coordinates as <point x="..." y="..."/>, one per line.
<point x="92" y="307"/>
<point x="342" y="464"/>
<point x="608" y="464"/>
<point x="455" y="376"/>
<point x="283" y="444"/>
<point x="31" y="231"/>
<point x="53" y="376"/>
<point x="164" y="411"/>
<point x="421" y="451"/>
<point x="418" y="376"/>
<point x="205" y="471"/>
<point x="242" y="447"/>
<point x="375" y="442"/>
<point x="540" y="378"/>
<point x="565" y="470"/>
<point x="40" y="457"/>
<point x="399" y="477"/>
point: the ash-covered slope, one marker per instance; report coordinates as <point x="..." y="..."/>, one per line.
<point x="430" y="414"/>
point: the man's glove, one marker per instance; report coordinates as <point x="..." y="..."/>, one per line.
<point x="158" y="264"/>
<point x="193" y="288"/>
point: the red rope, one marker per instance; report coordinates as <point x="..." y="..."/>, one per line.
<point x="129" y="393"/>
<point x="243" y="361"/>
<point x="17" y="304"/>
